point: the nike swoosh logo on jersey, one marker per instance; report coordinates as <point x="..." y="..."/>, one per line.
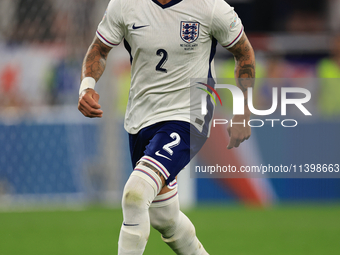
<point x="160" y="155"/>
<point x="134" y="27"/>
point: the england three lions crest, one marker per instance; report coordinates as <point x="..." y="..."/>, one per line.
<point x="189" y="31"/>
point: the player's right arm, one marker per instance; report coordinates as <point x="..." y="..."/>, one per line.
<point x="92" y="69"/>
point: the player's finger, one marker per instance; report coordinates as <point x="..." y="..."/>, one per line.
<point x="91" y="102"/>
<point x="91" y="110"/>
<point x="237" y="143"/>
<point x="84" y="106"/>
<point x="83" y="110"/>
<point x="88" y="111"/>
<point x="95" y="114"/>
<point x="228" y="129"/>
<point x="232" y="143"/>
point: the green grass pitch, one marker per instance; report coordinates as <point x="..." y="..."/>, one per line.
<point x="282" y="230"/>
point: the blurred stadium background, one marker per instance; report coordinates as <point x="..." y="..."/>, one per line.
<point x="53" y="158"/>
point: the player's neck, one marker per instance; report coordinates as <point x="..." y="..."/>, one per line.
<point x="163" y="2"/>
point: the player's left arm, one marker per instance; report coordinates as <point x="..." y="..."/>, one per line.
<point x="245" y="77"/>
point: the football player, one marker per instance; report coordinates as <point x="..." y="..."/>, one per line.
<point x="170" y="42"/>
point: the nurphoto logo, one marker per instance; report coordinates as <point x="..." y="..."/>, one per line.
<point x="239" y="103"/>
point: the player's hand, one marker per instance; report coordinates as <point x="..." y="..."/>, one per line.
<point x="88" y="104"/>
<point x="238" y="132"/>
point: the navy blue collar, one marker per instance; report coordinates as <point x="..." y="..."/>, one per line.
<point x="171" y="3"/>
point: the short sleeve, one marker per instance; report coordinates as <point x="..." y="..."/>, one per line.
<point x="111" y="29"/>
<point x="226" y="26"/>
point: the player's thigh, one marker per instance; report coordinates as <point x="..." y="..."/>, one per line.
<point x="166" y="189"/>
<point x="169" y="149"/>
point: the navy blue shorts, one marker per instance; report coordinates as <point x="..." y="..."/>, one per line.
<point x="168" y="146"/>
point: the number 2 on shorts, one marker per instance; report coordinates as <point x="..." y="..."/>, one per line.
<point x="172" y="144"/>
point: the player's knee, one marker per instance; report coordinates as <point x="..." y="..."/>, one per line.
<point x="131" y="197"/>
<point x="137" y="194"/>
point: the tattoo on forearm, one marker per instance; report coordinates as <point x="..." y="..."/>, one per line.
<point x="245" y="63"/>
<point x="95" y="60"/>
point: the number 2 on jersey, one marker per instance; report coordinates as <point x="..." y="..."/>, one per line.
<point x="174" y="143"/>
<point x="161" y="63"/>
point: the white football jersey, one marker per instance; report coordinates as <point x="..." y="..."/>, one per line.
<point x="168" y="44"/>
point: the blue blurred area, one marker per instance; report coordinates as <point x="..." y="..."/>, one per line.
<point x="63" y="81"/>
<point x="308" y="143"/>
<point x="46" y="158"/>
<point x="209" y="191"/>
<point x="308" y="190"/>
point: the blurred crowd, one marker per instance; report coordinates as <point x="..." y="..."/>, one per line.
<point x="45" y="21"/>
<point x="41" y="44"/>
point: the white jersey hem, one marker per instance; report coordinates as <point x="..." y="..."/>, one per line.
<point x="134" y="131"/>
